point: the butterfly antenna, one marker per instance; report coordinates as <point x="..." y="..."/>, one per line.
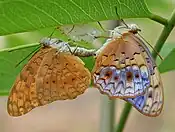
<point x="27" y="56"/>
<point x="151" y="47"/>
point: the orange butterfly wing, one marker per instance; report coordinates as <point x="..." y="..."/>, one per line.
<point x="23" y="97"/>
<point x="61" y="76"/>
<point x="49" y="75"/>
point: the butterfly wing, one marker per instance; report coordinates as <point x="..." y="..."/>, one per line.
<point x="120" y="69"/>
<point x="61" y="76"/>
<point x="151" y="103"/>
<point x="23" y="97"/>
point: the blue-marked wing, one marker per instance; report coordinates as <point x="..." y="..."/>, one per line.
<point x="151" y="103"/>
<point x="121" y="69"/>
<point x="125" y="69"/>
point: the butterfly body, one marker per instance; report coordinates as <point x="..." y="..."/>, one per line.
<point x="125" y="69"/>
<point x="66" y="48"/>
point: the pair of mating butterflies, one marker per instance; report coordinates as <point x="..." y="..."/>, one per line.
<point x="123" y="69"/>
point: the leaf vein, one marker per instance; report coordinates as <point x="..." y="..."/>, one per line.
<point x="42" y="11"/>
<point x="102" y="8"/>
<point x="82" y="9"/>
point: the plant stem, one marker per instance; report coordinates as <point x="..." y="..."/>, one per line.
<point x="20" y="47"/>
<point x="107" y="115"/>
<point x="124" y="116"/>
<point x="164" y="35"/>
<point x="159" y="44"/>
<point x="158" y="19"/>
<point x="112" y="115"/>
<point x="4" y="93"/>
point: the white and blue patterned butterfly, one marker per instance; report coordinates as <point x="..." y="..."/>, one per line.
<point x="125" y="69"/>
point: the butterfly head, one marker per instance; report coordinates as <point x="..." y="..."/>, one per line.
<point x="55" y="43"/>
<point x="118" y="31"/>
<point x="50" y="42"/>
<point x="134" y="28"/>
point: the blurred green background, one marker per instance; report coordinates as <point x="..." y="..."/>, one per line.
<point x="83" y="114"/>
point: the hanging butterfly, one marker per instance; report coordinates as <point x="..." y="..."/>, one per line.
<point x="125" y="69"/>
<point x="53" y="73"/>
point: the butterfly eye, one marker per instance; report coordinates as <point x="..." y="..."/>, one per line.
<point x="129" y="76"/>
<point x="111" y="33"/>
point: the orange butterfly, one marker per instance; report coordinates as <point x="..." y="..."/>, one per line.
<point x="125" y="69"/>
<point x="52" y="73"/>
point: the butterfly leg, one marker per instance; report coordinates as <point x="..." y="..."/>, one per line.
<point x="71" y="29"/>
<point x="75" y="49"/>
<point x="69" y="48"/>
<point x="101" y="26"/>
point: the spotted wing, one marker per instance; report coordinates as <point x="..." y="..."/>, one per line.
<point x="151" y="103"/>
<point x="23" y="97"/>
<point x="120" y="69"/>
<point x="61" y="76"/>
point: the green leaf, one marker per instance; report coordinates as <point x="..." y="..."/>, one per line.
<point x="14" y="40"/>
<point x="168" y="63"/>
<point x="27" y="15"/>
<point x="163" y="4"/>
<point x="89" y="62"/>
<point x="9" y="58"/>
<point x="167" y="48"/>
<point x="166" y="52"/>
